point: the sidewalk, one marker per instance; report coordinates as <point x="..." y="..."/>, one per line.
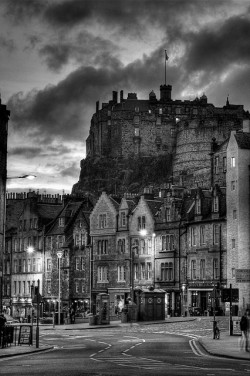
<point x="226" y="346"/>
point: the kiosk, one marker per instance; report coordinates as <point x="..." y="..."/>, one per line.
<point x="151" y="305"/>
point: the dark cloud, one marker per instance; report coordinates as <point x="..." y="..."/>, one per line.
<point x="71" y="171"/>
<point x="84" y="49"/>
<point x="220" y="46"/>
<point x="20" y="11"/>
<point x="28" y="152"/>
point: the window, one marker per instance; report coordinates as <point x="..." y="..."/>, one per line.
<point x="48" y="286"/>
<point x="35" y="223"/>
<point x="167" y="271"/>
<point x="121" y="274"/>
<point x="233" y="272"/>
<point x="39" y="264"/>
<point x="167" y="242"/>
<point x="60" y="241"/>
<point x="15" y="245"/>
<point x="31" y="223"/>
<point x="123" y="219"/>
<point x="216" y="204"/>
<point x="216" y="165"/>
<point x="49" y="242"/>
<point x="24" y="265"/>
<point x="29" y="265"/>
<point x="61" y="222"/>
<point x="137" y="109"/>
<point x="15" y="291"/>
<point x="77" y="286"/>
<point x="83" y="239"/>
<point x="20" y="244"/>
<point x="137" y="132"/>
<point x="193" y="269"/>
<point x="215" y="269"/>
<point x="233" y="243"/>
<point x="233" y="185"/>
<point x="172" y="132"/>
<point x="143" y="247"/>
<point x="224" y="164"/>
<point x="24" y="287"/>
<point x="178" y="110"/>
<point x="198" y="206"/>
<point x="15" y="266"/>
<point x="102" y="220"/>
<point x="141" y="222"/>
<point x="149" y="270"/>
<point x="82" y="263"/>
<point x="202" y="269"/>
<point x="136" y="119"/>
<point x="143" y="271"/>
<point x="102" y="274"/>
<point x="102" y="247"/>
<point x="202" y="235"/>
<point x="193" y="236"/>
<point x="168" y="217"/>
<point x="232" y="161"/>
<point x="234" y="214"/>
<point x="136" y="271"/>
<point x="19" y="265"/>
<point x="33" y="265"/>
<point x="28" y="287"/>
<point x="160" y="111"/>
<point x="77" y="240"/>
<point x="135" y="246"/>
<point x="49" y="264"/>
<point x="77" y="263"/>
<point x="19" y="287"/>
<point x="216" y="234"/>
<point x="121" y="245"/>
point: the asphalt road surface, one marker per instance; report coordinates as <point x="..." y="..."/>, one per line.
<point x="136" y="350"/>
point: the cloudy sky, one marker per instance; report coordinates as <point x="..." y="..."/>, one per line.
<point x="58" y="57"/>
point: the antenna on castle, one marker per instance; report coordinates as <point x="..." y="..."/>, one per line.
<point x="166" y="58"/>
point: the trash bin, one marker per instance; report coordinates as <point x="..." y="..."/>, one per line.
<point x="124" y="317"/>
<point x="61" y="318"/>
<point x="92" y="320"/>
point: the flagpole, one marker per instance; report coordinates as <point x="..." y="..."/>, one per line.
<point x="165" y="65"/>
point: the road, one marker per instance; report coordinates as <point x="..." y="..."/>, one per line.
<point x="137" y="350"/>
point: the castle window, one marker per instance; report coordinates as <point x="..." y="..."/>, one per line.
<point x="137" y="109"/>
<point x="121" y="245"/>
<point x="136" y="119"/>
<point x="172" y="132"/>
<point x="233" y="243"/>
<point x="167" y="242"/>
<point x="158" y="121"/>
<point x="232" y="161"/>
<point x="143" y="247"/>
<point x="195" y="111"/>
<point x="102" y="247"/>
<point x="233" y="185"/>
<point x="137" y="132"/>
<point x="178" y="110"/>
<point x="160" y="111"/>
<point x="149" y="111"/>
<point x="141" y="223"/>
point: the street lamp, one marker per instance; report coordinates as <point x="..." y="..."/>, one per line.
<point x="59" y="255"/>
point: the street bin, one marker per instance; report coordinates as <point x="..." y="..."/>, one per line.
<point x="124" y="317"/>
<point x="61" y="318"/>
<point x="132" y="313"/>
<point x="92" y="320"/>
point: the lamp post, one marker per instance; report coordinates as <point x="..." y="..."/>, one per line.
<point x="59" y="255"/>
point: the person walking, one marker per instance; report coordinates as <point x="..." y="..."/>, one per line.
<point x="244" y="327"/>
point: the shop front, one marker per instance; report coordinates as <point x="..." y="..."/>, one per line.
<point x="201" y="301"/>
<point x="22" y="308"/>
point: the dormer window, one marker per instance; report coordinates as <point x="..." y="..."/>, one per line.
<point x="123" y="219"/>
<point x="102" y="220"/>
<point x="61" y="222"/>
<point x="216" y="204"/>
<point x="198" y="206"/>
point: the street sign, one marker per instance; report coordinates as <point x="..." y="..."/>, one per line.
<point x="225" y="295"/>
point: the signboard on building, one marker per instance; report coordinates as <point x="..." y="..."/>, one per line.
<point x="242" y="275"/>
<point x="225" y="295"/>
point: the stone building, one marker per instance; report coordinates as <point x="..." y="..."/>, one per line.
<point x="69" y="234"/>
<point x="4" y="118"/>
<point x="238" y="214"/>
<point x="28" y="216"/>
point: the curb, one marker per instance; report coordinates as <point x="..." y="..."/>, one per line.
<point x="26" y="353"/>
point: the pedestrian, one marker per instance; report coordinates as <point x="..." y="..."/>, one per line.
<point x="244" y="327"/>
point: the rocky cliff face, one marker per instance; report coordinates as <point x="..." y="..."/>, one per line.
<point x="117" y="176"/>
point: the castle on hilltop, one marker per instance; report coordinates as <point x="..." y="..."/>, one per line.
<point x="185" y="130"/>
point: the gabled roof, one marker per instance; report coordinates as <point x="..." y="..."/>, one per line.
<point x="243" y="140"/>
